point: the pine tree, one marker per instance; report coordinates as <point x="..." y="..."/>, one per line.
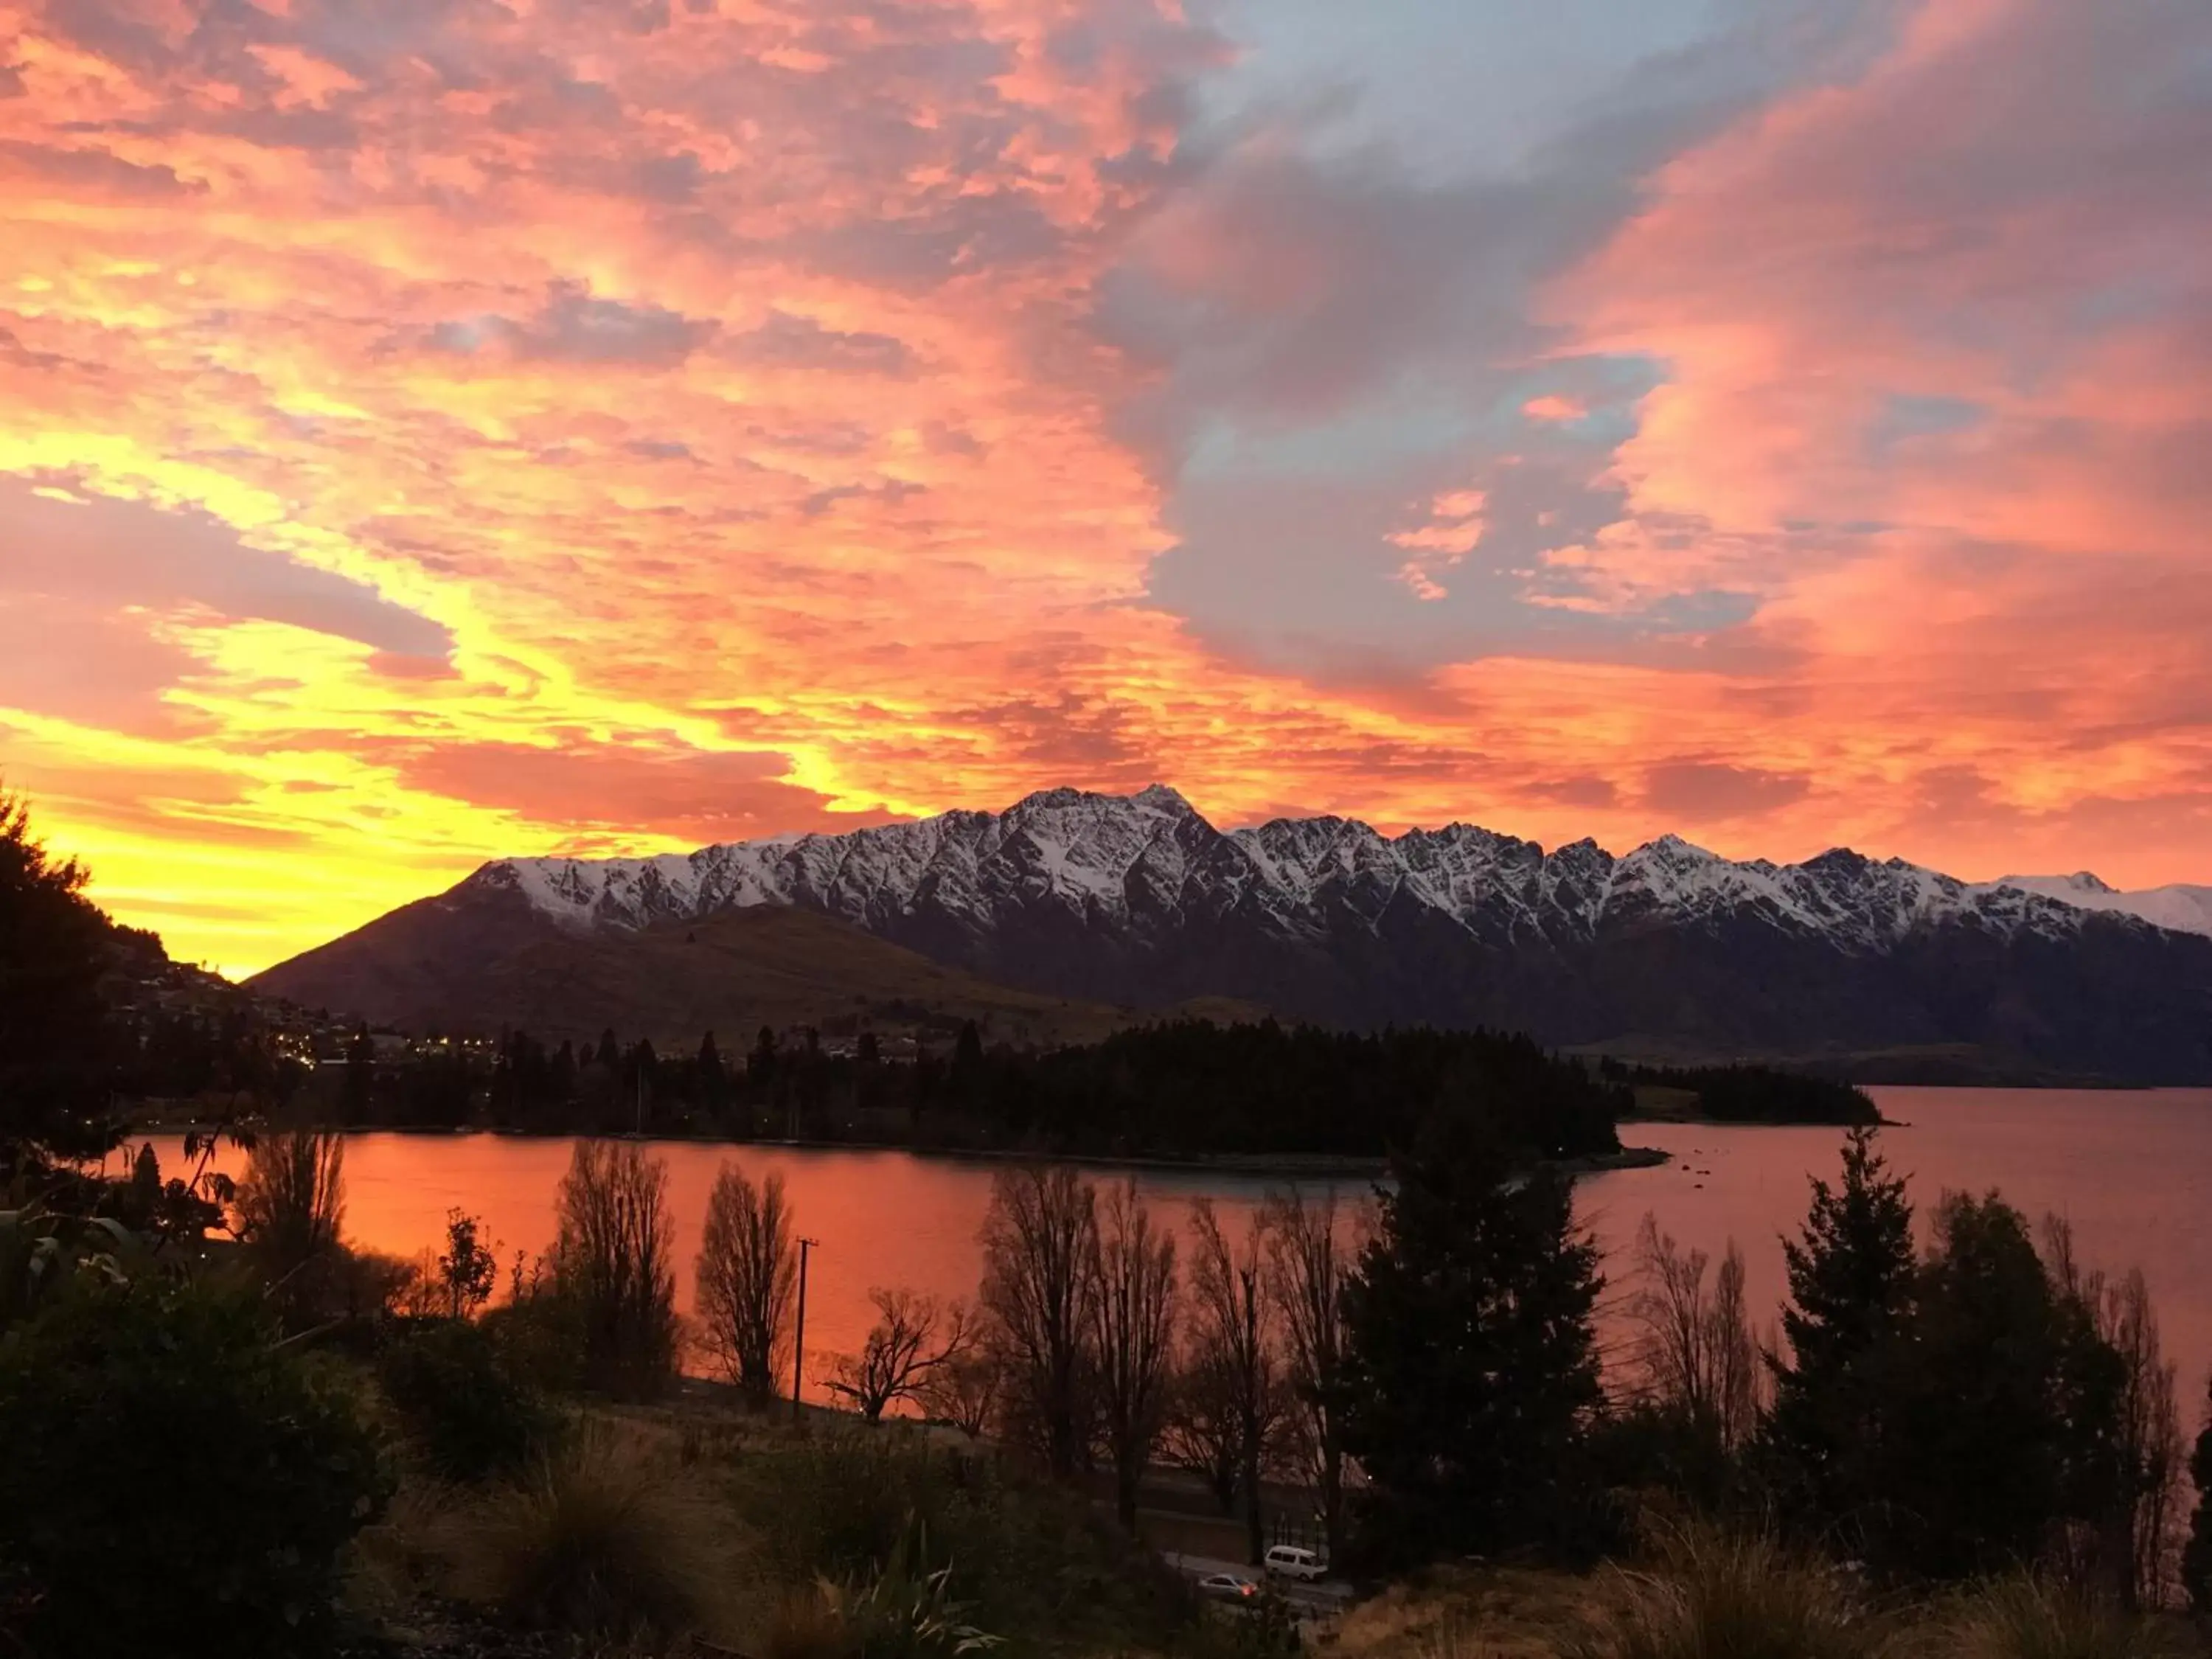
<point x="1851" y="1283"/>
<point x="1472" y="1368"/>
<point x="2000" y="1405"/>
<point x="714" y="1085"/>
<point x="145" y="1184"/>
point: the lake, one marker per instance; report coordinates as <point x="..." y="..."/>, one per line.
<point x="2132" y="1171"/>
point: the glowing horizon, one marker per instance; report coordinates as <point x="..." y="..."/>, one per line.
<point x="454" y="430"/>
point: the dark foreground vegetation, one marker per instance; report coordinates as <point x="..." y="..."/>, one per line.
<point x="230" y="1432"/>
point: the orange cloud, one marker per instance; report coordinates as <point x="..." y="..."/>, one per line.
<point x="1553" y="407"/>
<point x="492" y="431"/>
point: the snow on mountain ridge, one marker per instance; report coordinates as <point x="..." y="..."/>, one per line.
<point x="2178" y="908"/>
<point x="1137" y="864"/>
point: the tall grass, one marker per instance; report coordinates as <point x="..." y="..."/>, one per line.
<point x="1716" y="1595"/>
<point x="599" y="1543"/>
<point x="2023" y="1618"/>
<point x="291" y="1204"/>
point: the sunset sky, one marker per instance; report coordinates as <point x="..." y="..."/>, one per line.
<point x="432" y="429"/>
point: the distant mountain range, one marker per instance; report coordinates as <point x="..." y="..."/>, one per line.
<point x="1882" y="968"/>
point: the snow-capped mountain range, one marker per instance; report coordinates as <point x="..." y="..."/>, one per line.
<point x="1137" y="900"/>
<point x="1108" y="858"/>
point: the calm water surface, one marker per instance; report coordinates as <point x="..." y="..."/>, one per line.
<point x="2132" y="1170"/>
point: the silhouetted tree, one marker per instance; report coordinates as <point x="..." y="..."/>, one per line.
<point x="2197" y="1552"/>
<point x="57" y="1052"/>
<point x="612" y="1262"/>
<point x="1309" y="1263"/>
<point x="468" y="1269"/>
<point x="914" y="1338"/>
<point x="1233" y="1335"/>
<point x="1471" y="1371"/>
<point x="145" y="1182"/>
<point x="747" y="1275"/>
<point x="760" y="1064"/>
<point x="1203" y="1431"/>
<point x="1851" y="1276"/>
<point x="1040" y="1238"/>
<point x="964" y="1391"/>
<point x="1693" y="1359"/>
<point x="1132" y="1313"/>
<point x="2133" y="1490"/>
<point x="714" y="1080"/>
<point x="966" y="1060"/>
<point x="1999" y="1409"/>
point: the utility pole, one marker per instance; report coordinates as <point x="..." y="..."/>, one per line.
<point x="798" y="1335"/>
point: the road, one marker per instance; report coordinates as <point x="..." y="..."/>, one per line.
<point x="1314" y="1601"/>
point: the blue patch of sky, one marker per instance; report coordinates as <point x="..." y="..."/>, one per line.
<point x="1904" y="416"/>
<point x="1442" y="422"/>
<point x="1449" y="87"/>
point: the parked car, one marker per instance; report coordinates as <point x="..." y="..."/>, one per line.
<point x="1227" y="1587"/>
<point x="1289" y="1561"/>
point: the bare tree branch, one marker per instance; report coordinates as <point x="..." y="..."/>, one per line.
<point x="1040" y="1238"/>
<point x="1308" y="1260"/>
<point x="913" y="1338"/>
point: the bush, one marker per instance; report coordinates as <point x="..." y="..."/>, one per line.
<point x="173" y="1481"/>
<point x="595" y="1543"/>
<point x="467" y="1413"/>
<point x="1031" y="1561"/>
<point x="539" y="1334"/>
<point x="2023" y="1618"/>
<point x="1720" y="1596"/>
<point x="908" y="1611"/>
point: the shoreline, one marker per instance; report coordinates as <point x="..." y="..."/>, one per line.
<point x="1283" y="1166"/>
<point x="1696" y="1122"/>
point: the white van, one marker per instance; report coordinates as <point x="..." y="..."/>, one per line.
<point x="1289" y="1561"/>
